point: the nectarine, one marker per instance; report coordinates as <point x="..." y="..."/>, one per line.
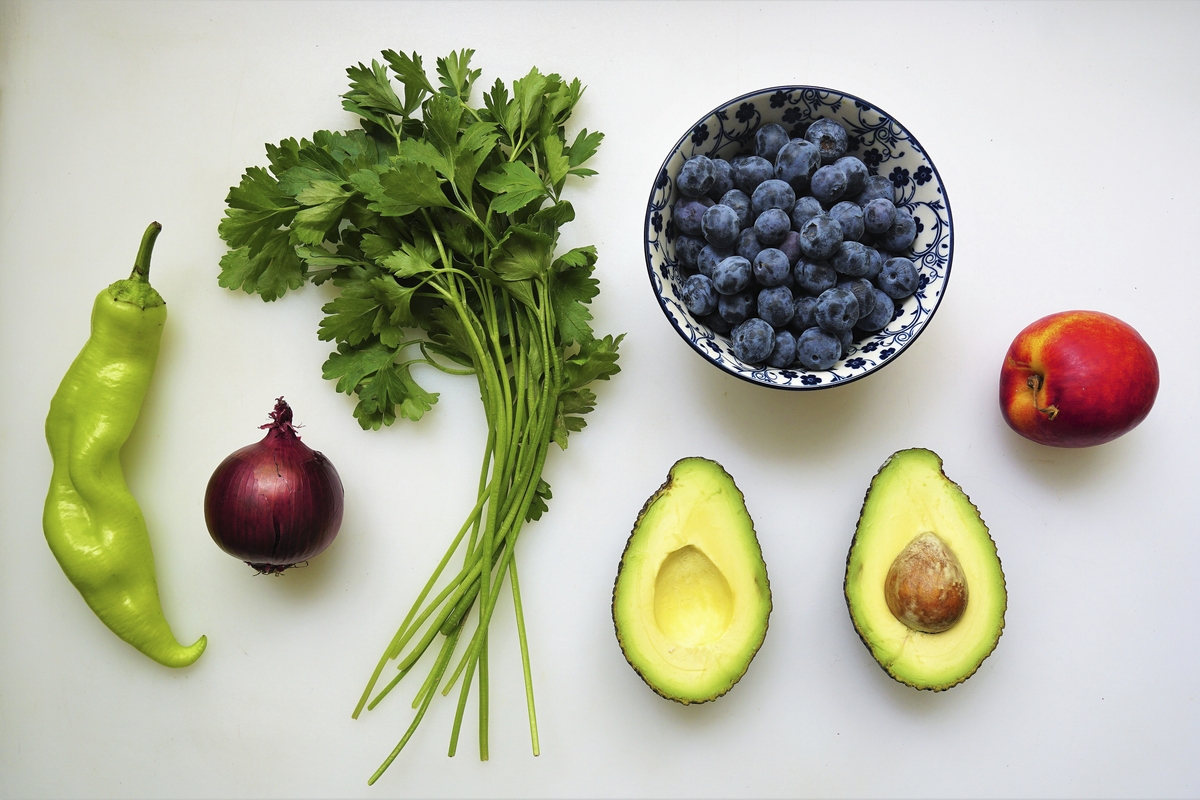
<point x="1077" y="379"/>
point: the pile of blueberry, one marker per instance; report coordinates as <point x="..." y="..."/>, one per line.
<point x="792" y="249"/>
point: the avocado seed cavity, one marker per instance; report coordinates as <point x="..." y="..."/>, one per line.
<point x="693" y="603"/>
<point x="925" y="587"/>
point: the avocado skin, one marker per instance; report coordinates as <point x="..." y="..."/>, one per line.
<point x="753" y="646"/>
<point x="863" y="636"/>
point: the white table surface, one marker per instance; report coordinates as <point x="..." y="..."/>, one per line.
<point x="1063" y="134"/>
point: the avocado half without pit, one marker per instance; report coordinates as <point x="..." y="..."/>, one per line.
<point x="692" y="600"/>
<point x="923" y="581"/>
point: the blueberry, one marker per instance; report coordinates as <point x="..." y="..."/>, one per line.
<point x="805" y="209"/>
<point x="898" y="278"/>
<point x="696" y="176"/>
<point x="875" y="263"/>
<point x="739" y="158"/>
<point x="850" y="217"/>
<point x="772" y="226"/>
<point x="874" y="187"/>
<point x="748" y="174"/>
<point x="881" y="314"/>
<point x="828" y="185"/>
<point x="776" y="305"/>
<point x="737" y="308"/>
<point x="864" y="293"/>
<point x="773" y="193"/>
<point x="856" y="173"/>
<point x="732" y="275"/>
<point x="837" y="309"/>
<point x="796" y="163"/>
<point x="804" y="314"/>
<point x="722" y="178"/>
<point x="878" y="215"/>
<point x="715" y="322"/>
<point x="790" y="282"/>
<point x="720" y="226"/>
<point x="708" y="259"/>
<point x="771" y="267"/>
<point x="846" y="340"/>
<point x="768" y="140"/>
<point x="748" y="246"/>
<point x="688" y="213"/>
<point x="739" y="201"/>
<point x="687" y="250"/>
<point x="753" y="340"/>
<point x="698" y="294"/>
<point x="852" y="259"/>
<point x="784" y="352"/>
<point x="791" y="247"/>
<point x="820" y="237"/>
<point x="817" y="349"/>
<point x="900" y="236"/>
<point x="830" y="138"/>
<point x="814" y="277"/>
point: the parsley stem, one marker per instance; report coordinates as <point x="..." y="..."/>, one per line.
<point x="483" y="695"/>
<point x="386" y="689"/>
<point x="463" y="693"/>
<point x="439" y="667"/>
<point x="525" y="669"/>
<point x="393" y="648"/>
<point x="474" y="647"/>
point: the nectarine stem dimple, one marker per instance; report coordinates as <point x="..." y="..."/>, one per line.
<point x="1034" y="382"/>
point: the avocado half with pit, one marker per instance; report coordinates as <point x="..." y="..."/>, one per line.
<point x="923" y="581"/>
<point x="692" y="600"/>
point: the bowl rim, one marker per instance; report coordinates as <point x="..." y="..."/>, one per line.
<point x="646" y="221"/>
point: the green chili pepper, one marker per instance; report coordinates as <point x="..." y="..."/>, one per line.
<point x="91" y="521"/>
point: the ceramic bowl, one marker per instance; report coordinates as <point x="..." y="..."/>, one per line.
<point x="885" y="146"/>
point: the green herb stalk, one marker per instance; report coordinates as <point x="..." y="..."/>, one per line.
<point x="438" y="222"/>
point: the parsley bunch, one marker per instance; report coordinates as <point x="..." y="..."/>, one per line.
<point x="438" y="222"/>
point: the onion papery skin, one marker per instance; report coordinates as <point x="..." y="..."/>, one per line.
<point x="276" y="503"/>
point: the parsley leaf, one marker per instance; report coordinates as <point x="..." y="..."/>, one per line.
<point x="568" y="416"/>
<point x="557" y="164"/>
<point x="516" y="186"/>
<point x="257" y="208"/>
<point x="410" y="72"/>
<point x="595" y="361"/>
<point x="455" y="74"/>
<point x="371" y="94"/>
<point x="269" y="272"/>
<point x="584" y="147"/>
<point x="401" y="188"/>
<point x="524" y="254"/>
<point x="570" y="292"/>
<point x="539" y="504"/>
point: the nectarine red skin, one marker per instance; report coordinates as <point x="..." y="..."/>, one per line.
<point x="1077" y="379"/>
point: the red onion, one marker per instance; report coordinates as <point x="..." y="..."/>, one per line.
<point x="276" y="503"/>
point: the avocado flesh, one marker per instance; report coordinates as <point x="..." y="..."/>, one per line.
<point x="910" y="496"/>
<point x="692" y="600"/>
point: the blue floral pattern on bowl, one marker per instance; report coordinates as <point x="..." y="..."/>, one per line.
<point x="885" y="146"/>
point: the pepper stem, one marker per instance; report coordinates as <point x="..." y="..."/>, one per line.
<point x="141" y="264"/>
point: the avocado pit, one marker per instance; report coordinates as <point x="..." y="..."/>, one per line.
<point x="925" y="587"/>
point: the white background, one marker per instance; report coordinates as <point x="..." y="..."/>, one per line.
<point x="1064" y="134"/>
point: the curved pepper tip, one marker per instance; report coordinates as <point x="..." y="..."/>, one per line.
<point x="182" y="656"/>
